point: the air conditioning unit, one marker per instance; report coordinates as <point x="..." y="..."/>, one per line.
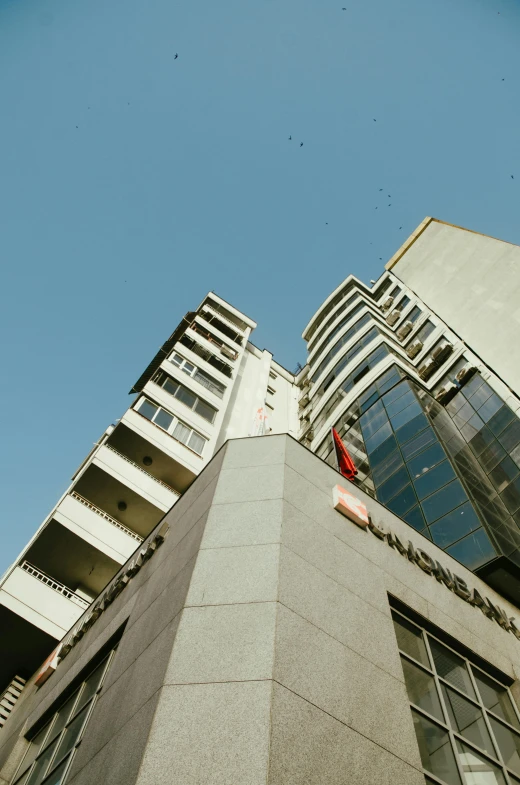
<point x="305" y="420"/>
<point x="310" y="434"/>
<point x="387" y="303"/>
<point x="465" y="374"/>
<point x="304" y="400"/>
<point x="393" y="317"/>
<point x="404" y="329"/>
<point x="427" y="368"/>
<point x="441" y="353"/>
<point x="446" y="393"/>
<point x="229" y="353"/>
<point x="414" y="348"/>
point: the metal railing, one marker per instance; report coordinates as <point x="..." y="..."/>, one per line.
<point x="224" y="318"/>
<point x="105" y="515"/>
<point x="55" y="585"/>
<point x="207" y="336"/>
<point x="136" y="465"/>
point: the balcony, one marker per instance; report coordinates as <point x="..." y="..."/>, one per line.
<point x="95" y="525"/>
<point x="44" y="603"/>
<point x="213" y="341"/>
<point x="219" y="324"/>
<point x="130" y="473"/>
<point x="172" y="462"/>
<point x="29" y="644"/>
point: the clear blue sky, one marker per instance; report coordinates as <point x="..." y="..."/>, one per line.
<point x="131" y="183"/>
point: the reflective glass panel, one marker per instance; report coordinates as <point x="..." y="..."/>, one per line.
<point x="91" y="685"/>
<point x="396" y="482"/>
<point x="416" y="519"/>
<point x="435" y="750"/>
<point x="441" y="502"/>
<point x="467" y="719"/>
<point x="411" y="428"/>
<point x="182" y="433"/>
<point x="417" y="445"/>
<point x="57" y="775"/>
<point x="163" y="419"/>
<point x="482" y="440"/>
<point x="474" y="550"/>
<point x="490" y="407"/>
<point x="205" y="410"/>
<point x="397" y="405"/>
<point x="421" y="689"/>
<point x="410" y="639"/>
<point x="406" y="415"/>
<point x="477" y="769"/>
<point x="509" y="744"/>
<point x="72" y="733"/>
<point x="451" y="667"/>
<point x="426" y="460"/>
<point x="383" y="450"/>
<point x="386" y="468"/>
<point x="186" y="396"/>
<point x="499" y="420"/>
<point x="436" y="478"/>
<point x="147" y="409"/>
<point x="503" y="473"/>
<point x="495" y="697"/>
<point x="170" y="386"/>
<point x="34" y="749"/>
<point x="370" y="425"/>
<point x="63" y="715"/>
<point x="402" y="501"/>
<point x="454" y="525"/>
<point x="40" y="767"/>
<point x="510" y="436"/>
<point x="480" y="396"/>
<point x="196" y="443"/>
<point x="378" y="438"/>
<point x="511" y="495"/>
<point x="396" y="392"/>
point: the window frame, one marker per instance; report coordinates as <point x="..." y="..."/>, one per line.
<point x="51" y="739"/>
<point x="171" y="428"/>
<point x="510" y="776"/>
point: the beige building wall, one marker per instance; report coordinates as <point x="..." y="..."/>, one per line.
<point x="473" y="283"/>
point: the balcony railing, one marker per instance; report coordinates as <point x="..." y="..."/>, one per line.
<point x="136" y="466"/>
<point x="210" y="307"/>
<point x="104" y="515"/>
<point x="56" y="585"/>
<point x="226" y="350"/>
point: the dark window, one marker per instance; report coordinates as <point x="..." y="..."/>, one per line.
<point x="415" y="518"/>
<point x="382" y="471"/>
<point x="510" y="437"/>
<point x="395" y="406"/>
<point x="426" y="460"/>
<point x="425" y="331"/>
<point x="474" y="550"/>
<point x="403" y="501"/>
<point x="499" y="420"/>
<point x="454" y="525"/>
<point x="382" y="452"/>
<point x="511" y="495"/>
<point x="379" y="436"/>
<point x="396" y="482"/>
<point x="490" y="407"/>
<point x="417" y="445"/>
<point x="405" y="415"/>
<point x="436" y="478"/>
<point x="503" y="473"/>
<point x="396" y="392"/>
<point x="444" y="500"/>
<point x="412" y="428"/>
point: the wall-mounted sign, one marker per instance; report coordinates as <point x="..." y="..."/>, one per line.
<point x="111" y="592"/>
<point x="348" y="505"/>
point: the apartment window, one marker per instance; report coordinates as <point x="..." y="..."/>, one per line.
<point x="414" y="315"/>
<point x="48" y="759"/>
<point x="465" y="720"/>
<point x="185" y="396"/>
<point x="201" y="377"/>
<point x="273" y="375"/>
<point x="425" y="331"/>
<point x="345" y="338"/>
<point x="402" y="303"/>
<point x="172" y="425"/>
<point x="206" y="355"/>
<point x="271" y="390"/>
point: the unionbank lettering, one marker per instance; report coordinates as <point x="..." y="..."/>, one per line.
<point x="356" y="511"/>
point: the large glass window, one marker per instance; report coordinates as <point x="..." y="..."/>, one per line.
<point x="49" y="756"/>
<point x="207" y="381"/>
<point x="465" y="721"/>
<point x="179" y="430"/>
<point x="187" y="397"/>
<point x="340" y="343"/>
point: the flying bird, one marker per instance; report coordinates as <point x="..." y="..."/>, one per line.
<point x="389" y="205"/>
<point x="343" y="9"/>
<point x="375" y="121"/>
<point x="176" y="56"/>
<point x="375" y="208"/>
<point x="380" y="189"/>
<point x="290" y="138"/>
<point x="400" y="227"/>
<point x="512" y="178"/>
<point x="301" y="144"/>
<point x="77" y="126"/>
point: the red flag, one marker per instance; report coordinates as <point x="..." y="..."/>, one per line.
<point x="345" y="463"/>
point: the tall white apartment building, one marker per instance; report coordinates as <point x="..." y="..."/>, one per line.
<point x="207" y="383"/>
<point x="404" y="373"/>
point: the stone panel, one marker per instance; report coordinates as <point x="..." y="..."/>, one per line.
<point x="224" y="643"/>
<point x="233" y="575"/>
<point x="209" y="734"/>
<point x="243" y="523"/>
<point x="309" y="747"/>
<point x="267" y="451"/>
<point x="252" y="483"/>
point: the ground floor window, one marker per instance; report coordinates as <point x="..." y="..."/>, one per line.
<point x="50" y="754"/>
<point x="465" y="720"/>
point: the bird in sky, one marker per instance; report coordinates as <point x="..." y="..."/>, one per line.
<point x="77" y="126"/>
<point x="380" y="258"/>
<point x="400" y="227"/>
<point x="512" y="178"/>
<point x="343" y="9"/>
<point x="176" y="56"/>
<point x="503" y="80"/>
<point x="376" y="208"/>
<point x="301" y="144"/>
<point x="380" y="189"/>
<point x="389" y="196"/>
<point x="375" y="121"/>
<point x="389" y="205"/>
<point x="326" y="223"/>
<point x="290" y="138"/>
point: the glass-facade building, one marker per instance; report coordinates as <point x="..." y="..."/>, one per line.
<point x="443" y="455"/>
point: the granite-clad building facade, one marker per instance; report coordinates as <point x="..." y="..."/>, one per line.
<point x="269" y="639"/>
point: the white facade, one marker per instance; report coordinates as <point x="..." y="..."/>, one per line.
<point x="471" y="282"/>
<point x="208" y="383"/>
